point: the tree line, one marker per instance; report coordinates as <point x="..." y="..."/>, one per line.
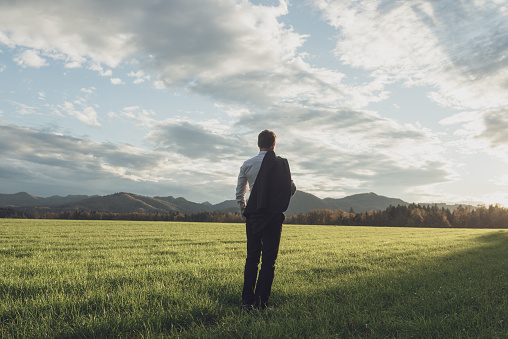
<point x="413" y="215"/>
<point x="134" y="216"/>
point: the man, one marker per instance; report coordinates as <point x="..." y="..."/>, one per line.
<point x="271" y="188"/>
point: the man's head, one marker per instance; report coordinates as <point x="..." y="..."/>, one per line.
<point x="266" y="140"/>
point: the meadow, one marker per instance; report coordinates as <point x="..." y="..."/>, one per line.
<point x="121" y="279"/>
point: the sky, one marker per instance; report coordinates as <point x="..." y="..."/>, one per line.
<point x="406" y="99"/>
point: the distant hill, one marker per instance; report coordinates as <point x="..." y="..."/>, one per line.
<point x="57" y="200"/>
<point x="301" y="202"/>
<point x="226" y="206"/>
<point x="21" y="199"/>
<point x="122" y="203"/>
<point x="187" y="207"/>
<point x="24" y="199"/>
<point x="364" y="202"/>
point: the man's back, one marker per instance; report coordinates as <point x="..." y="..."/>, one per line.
<point x="272" y="188"/>
<point x="247" y="177"/>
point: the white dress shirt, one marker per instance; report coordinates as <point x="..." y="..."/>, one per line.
<point x="248" y="173"/>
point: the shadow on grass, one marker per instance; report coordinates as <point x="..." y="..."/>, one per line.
<point x="463" y="294"/>
<point x="460" y="295"/>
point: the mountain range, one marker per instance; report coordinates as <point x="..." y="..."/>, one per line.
<point x="301" y="202"/>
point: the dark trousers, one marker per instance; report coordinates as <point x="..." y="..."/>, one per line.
<point x="266" y="242"/>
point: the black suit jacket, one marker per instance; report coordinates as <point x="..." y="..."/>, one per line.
<point x="271" y="192"/>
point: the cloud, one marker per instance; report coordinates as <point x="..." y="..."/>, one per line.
<point x="194" y="141"/>
<point x="480" y="131"/>
<point x="72" y="30"/>
<point x="87" y="115"/>
<point x="59" y="158"/>
<point x="231" y="37"/>
<point x="43" y="160"/>
<point x="30" y="58"/>
<point x="167" y="31"/>
<point x="24" y="109"/>
<point x="496" y="127"/>
<point x="116" y="81"/>
<point x="73" y="64"/>
<point x="237" y="52"/>
<point x="89" y="90"/>
<point x="70" y="153"/>
<point x="457" y="47"/>
<point x="141" y="116"/>
<point x="100" y="69"/>
<point x="242" y="53"/>
<point x="140" y="76"/>
<point x="339" y="150"/>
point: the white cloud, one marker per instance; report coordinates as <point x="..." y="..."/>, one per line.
<point x="503" y="181"/>
<point x="140" y="76"/>
<point x="230" y="50"/>
<point x="331" y="151"/>
<point x="116" y="81"/>
<point x="87" y="115"/>
<point x="2" y="68"/>
<point x="88" y="91"/>
<point x="141" y="116"/>
<point x="70" y="29"/>
<point x="480" y="131"/>
<point x="231" y="39"/>
<point x="193" y="141"/>
<point x="159" y="84"/>
<point x="24" y="109"/>
<point x="100" y="69"/>
<point x="75" y="30"/>
<point x="457" y="47"/>
<point x="73" y="64"/>
<point x="83" y="165"/>
<point x="30" y="58"/>
<point x="496" y="127"/>
<point x="69" y="153"/>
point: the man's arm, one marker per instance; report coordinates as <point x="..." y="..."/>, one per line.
<point x="241" y="189"/>
<point x="293" y="188"/>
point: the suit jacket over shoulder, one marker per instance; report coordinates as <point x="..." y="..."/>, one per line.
<point x="272" y="190"/>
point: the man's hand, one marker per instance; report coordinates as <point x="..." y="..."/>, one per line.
<point x="241" y="208"/>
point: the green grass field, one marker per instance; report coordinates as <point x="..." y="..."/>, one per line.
<point x="149" y="279"/>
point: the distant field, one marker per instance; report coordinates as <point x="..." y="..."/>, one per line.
<point x="153" y="279"/>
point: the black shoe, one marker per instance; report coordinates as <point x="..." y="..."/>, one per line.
<point x="248" y="307"/>
<point x="261" y="306"/>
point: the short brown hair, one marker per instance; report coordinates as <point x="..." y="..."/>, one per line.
<point x="266" y="139"/>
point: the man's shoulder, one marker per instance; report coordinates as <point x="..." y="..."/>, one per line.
<point x="253" y="160"/>
<point x="250" y="160"/>
<point x="280" y="159"/>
